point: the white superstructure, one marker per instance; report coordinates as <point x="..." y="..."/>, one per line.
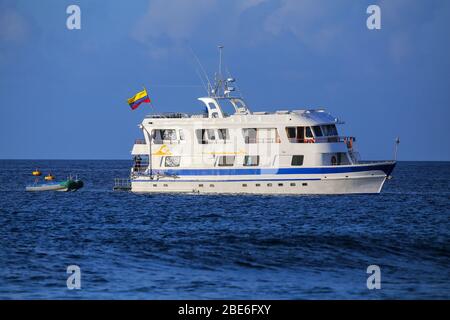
<point x="282" y="152"/>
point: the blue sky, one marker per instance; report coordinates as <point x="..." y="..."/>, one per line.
<point x="63" y="92"/>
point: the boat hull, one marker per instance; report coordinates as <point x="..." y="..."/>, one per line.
<point x="354" y="179"/>
<point x="49" y="187"/>
<point x="69" y="185"/>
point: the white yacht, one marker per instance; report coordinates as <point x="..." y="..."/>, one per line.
<point x="282" y="152"/>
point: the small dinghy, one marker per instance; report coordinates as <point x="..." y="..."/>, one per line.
<point x="70" y="184"/>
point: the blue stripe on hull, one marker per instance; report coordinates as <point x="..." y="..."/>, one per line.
<point x="386" y="168"/>
<point x="233" y="180"/>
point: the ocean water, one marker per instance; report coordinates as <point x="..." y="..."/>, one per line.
<point x="167" y="246"/>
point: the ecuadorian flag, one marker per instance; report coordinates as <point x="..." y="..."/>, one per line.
<point x="139" y="98"/>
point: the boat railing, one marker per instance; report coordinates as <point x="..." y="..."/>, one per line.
<point x="140" y="141"/>
<point x="218" y="141"/>
<point x="261" y="140"/>
<point x="330" y="139"/>
<point x="307" y="140"/>
<point x="166" y="141"/>
<point x="140" y="167"/>
<point x="355" y="156"/>
<point x="176" y="115"/>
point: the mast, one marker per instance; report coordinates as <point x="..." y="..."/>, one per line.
<point x="397" y="142"/>
<point x="220" y="61"/>
<point x="223" y="89"/>
<point x="220" y="83"/>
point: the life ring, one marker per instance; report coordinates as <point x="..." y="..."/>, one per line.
<point x="333" y="160"/>
<point x="349" y="142"/>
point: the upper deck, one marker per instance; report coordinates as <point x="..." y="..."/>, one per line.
<point x="311" y="117"/>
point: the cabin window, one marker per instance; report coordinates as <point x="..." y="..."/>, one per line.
<point x="201" y="136"/>
<point x="291" y="132"/>
<point x="223" y="134"/>
<point x="308" y="132"/>
<point x="205" y="136"/>
<point x="211" y="135"/>
<point x="181" y="134"/>
<point x="342" y="158"/>
<point x="169" y="134"/>
<point x="297" y="160"/>
<point x="226" y="161"/>
<point x="335" y="159"/>
<point x="161" y="136"/>
<point x="317" y="131"/>
<point x="172" y="161"/>
<point x="250" y="161"/>
<point x="250" y="135"/>
<point x="329" y="130"/>
<point x="296" y="134"/>
<point x="157" y="138"/>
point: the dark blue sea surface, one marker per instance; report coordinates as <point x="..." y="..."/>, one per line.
<point x="180" y="246"/>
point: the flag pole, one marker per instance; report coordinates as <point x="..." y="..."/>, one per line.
<point x="151" y="103"/>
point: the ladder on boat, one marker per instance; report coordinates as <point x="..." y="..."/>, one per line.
<point x="122" y="184"/>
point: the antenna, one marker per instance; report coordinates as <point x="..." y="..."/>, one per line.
<point x="203" y="82"/>
<point x="220" y="60"/>
<point x="201" y="68"/>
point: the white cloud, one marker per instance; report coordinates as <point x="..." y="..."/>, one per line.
<point x="322" y="26"/>
<point x="176" y="19"/>
<point x="13" y="27"/>
<point x="414" y="28"/>
<point x="168" y="23"/>
<point x="312" y="22"/>
<point x="248" y="4"/>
